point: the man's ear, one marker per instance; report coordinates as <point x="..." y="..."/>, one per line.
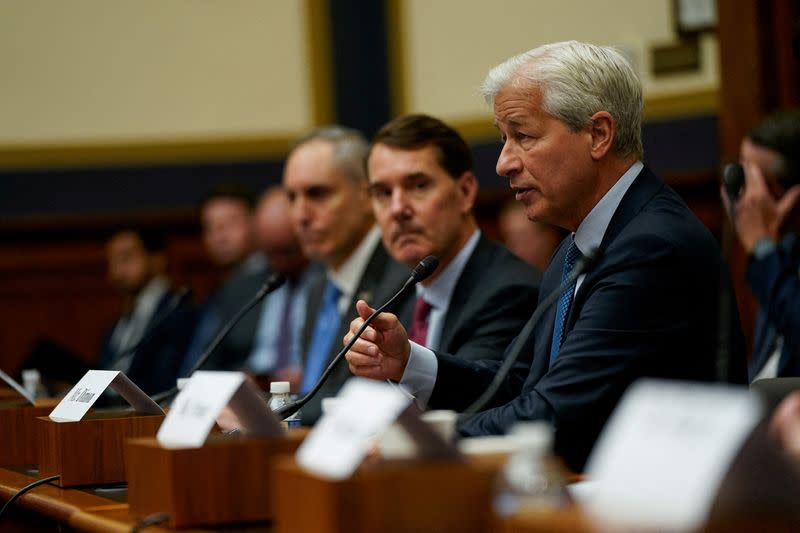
<point x="603" y="130"/>
<point x="468" y="186"/>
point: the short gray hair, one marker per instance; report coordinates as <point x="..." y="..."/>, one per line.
<point x="577" y="80"/>
<point x="350" y="149"/>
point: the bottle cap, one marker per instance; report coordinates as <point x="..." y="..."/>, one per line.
<point x="536" y="434"/>
<point x="279" y="387"/>
<point x="31" y="375"/>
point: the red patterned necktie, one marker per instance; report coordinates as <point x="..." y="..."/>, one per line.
<point x="419" y="323"/>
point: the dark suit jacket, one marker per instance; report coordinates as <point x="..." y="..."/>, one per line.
<point x="775" y="283"/>
<point x="219" y="308"/>
<point x="648" y="307"/>
<point x="381" y="279"/>
<point x="155" y="363"/>
<point x="233" y="296"/>
<point x="492" y="300"/>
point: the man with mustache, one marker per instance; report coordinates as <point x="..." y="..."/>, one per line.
<point x="423" y="191"/>
<point x="330" y="211"/>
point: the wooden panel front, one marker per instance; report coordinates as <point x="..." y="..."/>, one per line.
<point x="389" y="497"/>
<point x="225" y="481"/>
<point x="90" y="451"/>
<point x="19" y="445"/>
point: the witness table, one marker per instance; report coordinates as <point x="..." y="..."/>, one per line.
<point x="100" y="510"/>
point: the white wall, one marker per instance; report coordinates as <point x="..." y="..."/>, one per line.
<point x="449" y="45"/>
<point x="83" y="71"/>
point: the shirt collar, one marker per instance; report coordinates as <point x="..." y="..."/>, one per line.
<point x="147" y="300"/>
<point x="590" y="233"/>
<point x="439" y="292"/>
<point x="349" y="274"/>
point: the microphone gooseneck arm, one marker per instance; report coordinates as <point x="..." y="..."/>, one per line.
<point x="274" y="281"/>
<point x="581" y="267"/>
<point x="424" y="269"/>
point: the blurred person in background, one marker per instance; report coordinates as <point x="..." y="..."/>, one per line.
<point x="148" y="340"/>
<point x="534" y="242"/>
<point x="276" y="352"/>
<point x="765" y="217"/>
<point x="226" y="217"/>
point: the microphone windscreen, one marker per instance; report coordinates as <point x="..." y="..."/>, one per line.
<point x="425" y="268"/>
<point x="733" y="180"/>
<point x="274" y="281"/>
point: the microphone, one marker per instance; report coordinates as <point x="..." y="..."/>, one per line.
<point x="424" y="269"/>
<point x="516" y="349"/>
<point x="177" y="300"/>
<point x="274" y="281"/>
<point x="733" y="183"/>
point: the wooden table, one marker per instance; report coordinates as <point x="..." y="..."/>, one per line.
<point x="572" y="520"/>
<point x="50" y="508"/>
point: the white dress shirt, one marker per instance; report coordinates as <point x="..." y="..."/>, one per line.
<point x="348" y="276"/>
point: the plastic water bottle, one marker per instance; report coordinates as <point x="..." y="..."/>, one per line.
<point x="533" y="476"/>
<point x="32" y="383"/>
<point x="279" y="396"/>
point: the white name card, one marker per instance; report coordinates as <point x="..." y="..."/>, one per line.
<point x="341" y="438"/>
<point x="85" y="393"/>
<point x="663" y="454"/>
<point x="205" y="397"/>
<point x="16" y="386"/>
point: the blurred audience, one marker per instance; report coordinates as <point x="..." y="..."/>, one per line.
<point x="148" y="340"/>
<point x="276" y="354"/>
<point x="533" y="242"/>
<point x="226" y="215"/>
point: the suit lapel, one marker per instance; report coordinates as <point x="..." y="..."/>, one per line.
<point x="460" y="307"/>
<point x="315" y="292"/>
<point x="644" y="187"/>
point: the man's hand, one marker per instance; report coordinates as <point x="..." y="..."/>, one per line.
<point x="383" y="349"/>
<point x="785" y="424"/>
<point x="758" y="214"/>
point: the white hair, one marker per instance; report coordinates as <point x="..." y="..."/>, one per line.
<point x="577" y="80"/>
<point x="350" y="149"/>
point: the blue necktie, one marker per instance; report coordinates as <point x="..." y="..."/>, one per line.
<point x="325" y="328"/>
<point x="565" y="300"/>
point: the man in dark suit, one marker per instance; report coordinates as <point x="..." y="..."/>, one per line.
<point x="766" y="222"/>
<point x="148" y="341"/>
<point x="423" y="191"/>
<point x="276" y="350"/>
<point x="226" y="216"/>
<point x="569" y="115"/>
<point x="325" y="180"/>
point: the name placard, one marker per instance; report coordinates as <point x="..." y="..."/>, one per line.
<point x="206" y="397"/>
<point x="663" y="454"/>
<point x="85" y="393"/>
<point x="16" y="386"/>
<point x="341" y="438"/>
